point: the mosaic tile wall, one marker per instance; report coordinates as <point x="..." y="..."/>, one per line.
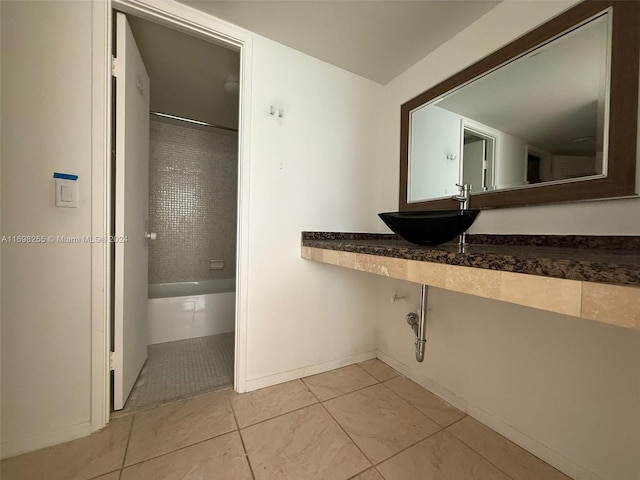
<point x="192" y="202"/>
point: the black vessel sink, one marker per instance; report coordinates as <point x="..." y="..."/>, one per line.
<point x="429" y="227"/>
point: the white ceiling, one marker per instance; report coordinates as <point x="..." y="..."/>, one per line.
<point x="549" y="97"/>
<point x="187" y="74"/>
<point x="377" y="39"/>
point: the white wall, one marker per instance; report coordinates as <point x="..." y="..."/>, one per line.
<point x="436" y="139"/>
<point x="564" y="388"/>
<point x="310" y="170"/>
<point x="46" y="127"/>
<point x="0" y="233"/>
<point x="303" y="316"/>
<point x="510" y="173"/>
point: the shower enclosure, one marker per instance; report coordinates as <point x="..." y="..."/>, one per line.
<point x="192" y="262"/>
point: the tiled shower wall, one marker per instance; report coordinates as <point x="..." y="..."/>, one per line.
<point x="192" y="202"/>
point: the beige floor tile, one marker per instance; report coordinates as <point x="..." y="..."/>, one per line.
<point x="440" y="457"/>
<point x="432" y="406"/>
<point x="305" y="444"/>
<point x="379" y="421"/>
<point x="506" y="455"/>
<point x="338" y="382"/>
<point x="259" y="405"/>
<point x="79" y="459"/>
<point x="164" y="429"/>
<point x="370" y="474"/>
<point x="109" y="476"/>
<point x="219" y="458"/>
<point x="380" y="370"/>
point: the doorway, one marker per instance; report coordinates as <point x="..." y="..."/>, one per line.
<point x="478" y="151"/>
<point x="192" y="220"/>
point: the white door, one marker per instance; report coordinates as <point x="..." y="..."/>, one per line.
<point x="131" y="213"/>
<point x="474" y="165"/>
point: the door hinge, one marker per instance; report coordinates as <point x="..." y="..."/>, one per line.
<point x="111" y="360"/>
<point x="114" y="69"/>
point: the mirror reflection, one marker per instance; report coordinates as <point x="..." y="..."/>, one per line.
<point x="538" y="119"/>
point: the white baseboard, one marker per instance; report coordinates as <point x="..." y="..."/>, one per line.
<point x="11" y="448"/>
<point x="562" y="463"/>
<point x="282" y="377"/>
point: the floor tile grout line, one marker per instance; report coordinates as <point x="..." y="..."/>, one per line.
<point x="488" y="460"/>
<point x="180" y="448"/>
<point x="118" y="470"/>
<point x="278" y="416"/>
<point x="244" y="447"/>
<point x="342" y="394"/>
<point x="440" y="428"/>
<point x="421" y="440"/>
<point x="349" y="437"/>
<point x="314" y="395"/>
<point x="360" y="473"/>
<point x="398" y="374"/>
<point x="509" y="477"/>
<point x="339" y="368"/>
<point x="172" y="401"/>
<point x="407" y="448"/>
<point x="185" y="446"/>
<point x="479" y="454"/>
<point x="372" y="467"/>
<point x="413" y="406"/>
<point x="358" y="365"/>
<point x="309" y="390"/>
<point x="375" y="467"/>
<point x="457" y="421"/>
<point x="421" y="412"/>
<point x="126" y="449"/>
<point x="305" y="406"/>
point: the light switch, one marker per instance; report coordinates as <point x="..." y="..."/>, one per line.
<point x="67" y="193"/>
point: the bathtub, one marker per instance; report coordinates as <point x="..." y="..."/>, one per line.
<point x="177" y="311"/>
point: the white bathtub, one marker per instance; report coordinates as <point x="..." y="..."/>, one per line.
<point x="191" y="309"/>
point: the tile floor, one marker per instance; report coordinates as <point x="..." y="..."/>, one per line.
<point x="183" y="369"/>
<point x="361" y="422"/>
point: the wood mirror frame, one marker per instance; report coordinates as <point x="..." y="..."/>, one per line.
<point x="623" y="112"/>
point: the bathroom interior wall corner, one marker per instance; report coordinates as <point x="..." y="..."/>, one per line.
<point x="1" y="155"/>
<point x="46" y="127"/>
<point x="562" y="385"/>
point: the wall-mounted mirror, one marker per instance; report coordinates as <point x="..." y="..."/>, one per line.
<point x="551" y="117"/>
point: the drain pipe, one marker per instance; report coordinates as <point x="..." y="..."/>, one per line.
<point x="418" y="323"/>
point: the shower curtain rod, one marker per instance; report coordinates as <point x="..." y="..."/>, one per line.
<point x="195" y="122"/>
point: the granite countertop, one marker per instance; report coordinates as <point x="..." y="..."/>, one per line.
<point x="605" y="259"/>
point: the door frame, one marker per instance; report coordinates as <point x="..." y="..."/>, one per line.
<point x="198" y="24"/>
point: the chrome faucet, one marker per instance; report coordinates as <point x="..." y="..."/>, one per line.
<point x="463" y="196"/>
